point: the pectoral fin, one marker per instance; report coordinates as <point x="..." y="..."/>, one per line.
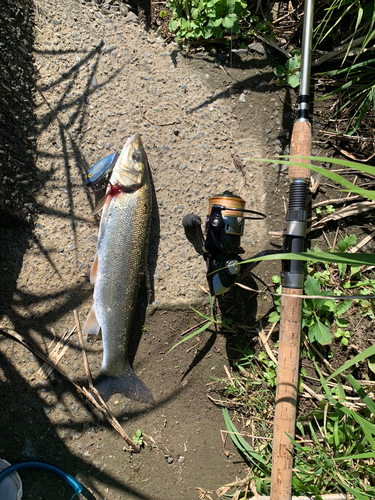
<point x="94" y="270"/>
<point x="91" y="326"/>
<point x="100" y="205"/>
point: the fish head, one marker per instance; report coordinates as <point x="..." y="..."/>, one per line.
<point x="131" y="168"/>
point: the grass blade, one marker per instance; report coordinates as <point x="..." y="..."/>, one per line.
<point x="241" y="444"/>
<point x="197" y="332"/>
<point x="367" y="353"/>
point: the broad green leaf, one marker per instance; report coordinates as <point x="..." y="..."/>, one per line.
<point x="312" y="286"/>
<point x="342" y="307"/>
<point x="341" y="322"/>
<point x="227" y="23"/>
<point x="274" y="317"/>
<point x="293" y="80"/>
<point x="195" y="13"/>
<point x="279" y="71"/>
<point x="347" y="242"/>
<point x="173" y="25"/>
<point x="329" y="305"/>
<point x="293" y="63"/>
<point x="207" y="33"/>
<point x="320" y="333"/>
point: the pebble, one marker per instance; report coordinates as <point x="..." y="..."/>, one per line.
<point x="257" y="47"/>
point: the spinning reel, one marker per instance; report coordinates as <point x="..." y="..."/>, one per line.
<point x="221" y="248"/>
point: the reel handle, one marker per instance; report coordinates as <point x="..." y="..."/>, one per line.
<point x="191" y="220"/>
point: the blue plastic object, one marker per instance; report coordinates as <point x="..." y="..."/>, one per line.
<point x="76" y="485"/>
<point x="101" y="169"/>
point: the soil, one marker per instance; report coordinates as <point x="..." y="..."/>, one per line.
<point x="78" y="78"/>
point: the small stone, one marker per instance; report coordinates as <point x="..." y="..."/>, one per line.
<point x="242" y="98"/>
<point x="257" y="47"/>
<point x="94" y="82"/>
<point x="170" y="460"/>
<point x="131" y="18"/>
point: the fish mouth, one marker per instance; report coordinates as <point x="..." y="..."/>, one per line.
<point x="134" y="138"/>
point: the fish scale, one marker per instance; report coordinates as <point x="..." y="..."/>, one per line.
<point x="121" y="263"/>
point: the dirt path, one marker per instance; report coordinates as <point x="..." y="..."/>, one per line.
<point x="101" y="77"/>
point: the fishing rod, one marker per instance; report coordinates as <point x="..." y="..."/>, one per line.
<point x="292" y="283"/>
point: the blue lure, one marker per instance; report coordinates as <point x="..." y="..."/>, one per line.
<point x="101" y="169"/>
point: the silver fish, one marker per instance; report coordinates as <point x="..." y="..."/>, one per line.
<point x="120" y="261"/>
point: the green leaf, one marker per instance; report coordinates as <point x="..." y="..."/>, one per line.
<point x="371" y="363"/>
<point x="329" y="305"/>
<point x="367" y="353"/>
<point x="355" y="269"/>
<point x="312" y="286"/>
<point x="207" y="33"/>
<point x="173" y="25"/>
<point x="293" y="63"/>
<point x="342" y="323"/>
<point x="340" y="392"/>
<point x="273" y="317"/>
<point x="342" y="307"/>
<point x="347" y="242"/>
<point x="197" y="332"/>
<point x="363" y="395"/>
<point x="241" y="444"/>
<point x="279" y="71"/>
<point x="320" y="333"/>
<point x="195" y="13"/>
<point x="227" y="23"/>
<point x="293" y="80"/>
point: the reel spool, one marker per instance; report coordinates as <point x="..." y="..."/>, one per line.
<point x="224" y="227"/>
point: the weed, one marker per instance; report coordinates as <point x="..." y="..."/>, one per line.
<point x="138" y="438"/>
<point x="289" y="74"/>
<point x="334" y="447"/>
<point x="356" y="83"/>
<point x="317" y="314"/>
<point x="212" y="320"/>
<point x="201" y="19"/>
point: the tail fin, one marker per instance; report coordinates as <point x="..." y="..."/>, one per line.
<point x="129" y="385"/>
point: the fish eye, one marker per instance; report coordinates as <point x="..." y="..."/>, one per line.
<point x="89" y="176"/>
<point x="136" y="156"/>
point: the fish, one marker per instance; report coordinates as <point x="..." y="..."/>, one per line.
<point x="119" y="264"/>
<point x="101" y="169"/>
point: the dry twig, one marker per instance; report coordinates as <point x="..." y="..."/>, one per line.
<point x="95" y="401"/>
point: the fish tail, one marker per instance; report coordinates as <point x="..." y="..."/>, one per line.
<point x="129" y="385"/>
